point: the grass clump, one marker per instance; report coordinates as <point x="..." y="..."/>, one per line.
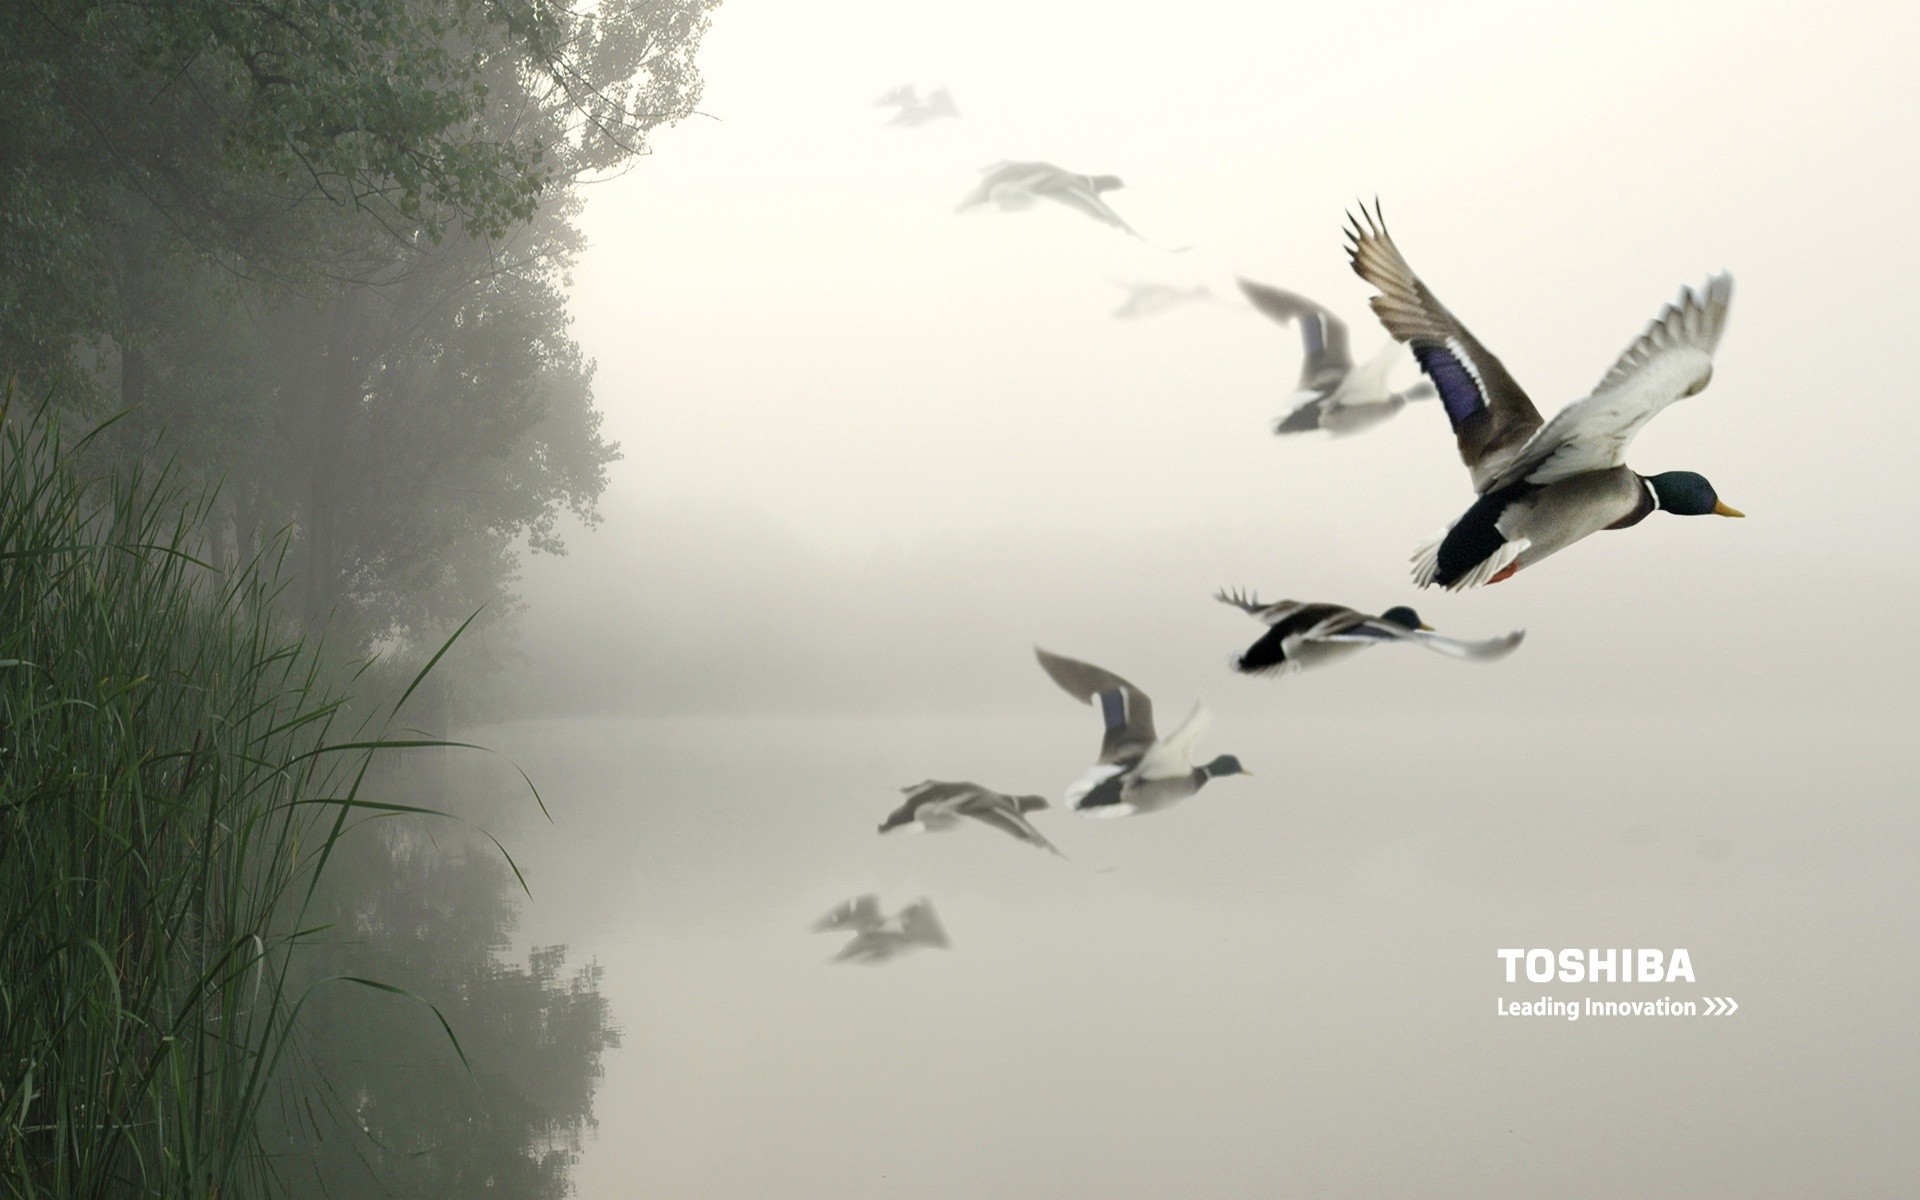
<point x="166" y="807"/>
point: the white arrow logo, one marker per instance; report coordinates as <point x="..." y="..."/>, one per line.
<point x="1719" y="1006"/>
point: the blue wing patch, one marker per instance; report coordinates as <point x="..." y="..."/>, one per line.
<point x="1113" y="706"/>
<point x="1459" y="392"/>
<point x="1313" y="333"/>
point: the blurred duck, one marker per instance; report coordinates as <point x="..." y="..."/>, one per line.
<point x="1138" y="771"/>
<point x="935" y="807"/>
<point x="877" y="938"/>
<point x="1332" y="394"/>
<point x="1543" y="485"/>
<point x="1017" y="186"/>
<point x="913" y="110"/>
<point x="1302" y="635"/>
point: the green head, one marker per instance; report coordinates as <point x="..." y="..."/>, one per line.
<point x="1403" y="616"/>
<point x="1226" y="764"/>
<point x="1686" y="494"/>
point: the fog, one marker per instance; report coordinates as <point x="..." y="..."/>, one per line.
<point x="875" y="451"/>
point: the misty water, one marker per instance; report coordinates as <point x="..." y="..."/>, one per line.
<point x="1292" y="976"/>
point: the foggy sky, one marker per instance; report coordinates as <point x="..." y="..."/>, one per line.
<point x="876" y="451"/>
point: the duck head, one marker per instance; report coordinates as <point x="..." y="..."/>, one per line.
<point x="1226" y="764"/>
<point x="1686" y="494"/>
<point x="1405" y="618"/>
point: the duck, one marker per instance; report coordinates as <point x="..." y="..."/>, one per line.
<point x="936" y="806"/>
<point x="1301" y="635"/>
<point x="1138" y="771"/>
<point x="1543" y="485"/>
<point x="913" y="110"/>
<point x="1333" y="394"/>
<point x="1017" y="186"/>
<point x="878" y="938"/>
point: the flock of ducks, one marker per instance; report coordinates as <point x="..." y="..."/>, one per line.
<point x="1540" y="487"/>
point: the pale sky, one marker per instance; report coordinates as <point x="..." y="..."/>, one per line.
<point x="875" y="451"/>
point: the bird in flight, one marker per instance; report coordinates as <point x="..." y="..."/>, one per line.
<point x="1018" y="186"/>
<point x="914" y="110"/>
<point x="1301" y="635"/>
<point x="877" y="938"/>
<point x="1543" y="485"/>
<point x="1332" y="394"/>
<point x="1138" y="771"/>
<point x="934" y="806"/>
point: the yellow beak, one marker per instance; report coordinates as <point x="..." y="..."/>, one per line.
<point x="1720" y="508"/>
<point x="1425" y="628"/>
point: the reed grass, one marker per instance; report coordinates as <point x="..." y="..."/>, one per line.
<point x="176" y="768"/>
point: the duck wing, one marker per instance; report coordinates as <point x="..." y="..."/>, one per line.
<point x="1323" y="336"/>
<point x="1374" y="631"/>
<point x="920" y="926"/>
<point x="1481" y="651"/>
<point x="1003" y="814"/>
<point x="1172" y="756"/>
<point x="1127" y="711"/>
<point x="1007" y="176"/>
<point x="1079" y="196"/>
<point x="926" y="800"/>
<point x="1672" y="360"/>
<point x="1492" y="417"/>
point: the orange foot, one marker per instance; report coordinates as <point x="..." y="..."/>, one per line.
<point x="1506" y="572"/>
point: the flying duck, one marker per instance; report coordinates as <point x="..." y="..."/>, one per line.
<point x="1333" y="394"/>
<point x="1016" y="186"/>
<point x="934" y="806"/>
<point x="1543" y="485"/>
<point x="1301" y="635"/>
<point x="877" y="938"/>
<point x="913" y="111"/>
<point x="1138" y="771"/>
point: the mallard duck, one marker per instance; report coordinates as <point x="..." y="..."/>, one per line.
<point x="1543" y="485"/>
<point x="913" y="110"/>
<point x="1332" y="394"/>
<point x="1302" y="635"/>
<point x="1016" y="186"/>
<point x="934" y="806"/>
<point x="1138" y="771"/>
<point x="877" y="938"/>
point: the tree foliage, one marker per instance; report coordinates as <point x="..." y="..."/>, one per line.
<point x="321" y="249"/>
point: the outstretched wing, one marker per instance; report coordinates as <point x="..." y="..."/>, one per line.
<point x="1077" y="195"/>
<point x="1323" y="335"/>
<point x="1127" y="712"/>
<point x="920" y="925"/>
<point x="1481" y="651"/>
<point x="1172" y="756"/>
<point x="1492" y="417"/>
<point x="1672" y="360"/>
<point x="1374" y="631"/>
<point x="931" y="790"/>
<point x="1002" y="813"/>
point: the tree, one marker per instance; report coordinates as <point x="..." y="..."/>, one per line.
<point x="333" y="278"/>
